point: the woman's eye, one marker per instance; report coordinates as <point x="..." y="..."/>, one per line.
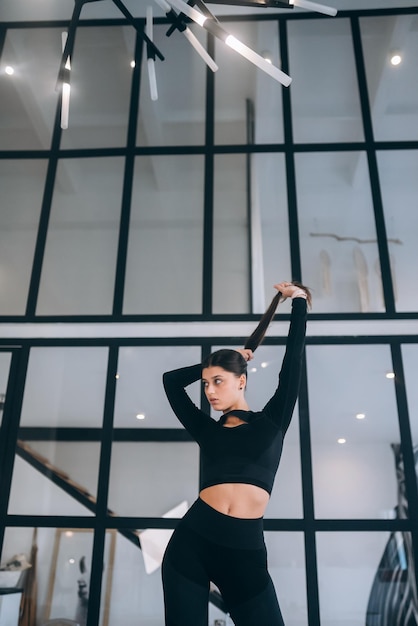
<point x="218" y="381"/>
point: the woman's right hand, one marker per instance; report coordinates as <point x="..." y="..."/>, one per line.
<point x="289" y="289"/>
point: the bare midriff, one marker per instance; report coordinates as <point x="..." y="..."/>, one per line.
<point x="236" y="499"/>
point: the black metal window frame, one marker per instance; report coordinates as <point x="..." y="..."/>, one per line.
<point x="209" y="150"/>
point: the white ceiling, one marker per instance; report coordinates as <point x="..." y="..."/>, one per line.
<point x="11" y="10"/>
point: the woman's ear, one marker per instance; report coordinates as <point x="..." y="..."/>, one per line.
<point x="242" y="381"/>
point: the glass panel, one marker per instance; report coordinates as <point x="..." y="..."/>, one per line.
<point x="140" y="390"/>
<point x="151" y="478"/>
<point x="340" y="260"/>
<point x="263" y="371"/>
<point x="164" y="265"/>
<point x="231" y="266"/>
<point x="399" y="186"/>
<point x="100" y="87"/>
<point x="21" y="190"/>
<point x="325" y="96"/>
<point x="393" y="90"/>
<point x="136" y="596"/>
<point x="140" y="393"/>
<point x="270" y="227"/>
<point x="81" y="249"/>
<point x="61" y="565"/>
<point x="354" y="427"/>
<point x="28" y="97"/>
<point x="5" y="358"/>
<point x="364" y="577"/>
<point x="65" y="388"/>
<point x="286" y="563"/>
<point x="238" y="81"/>
<point x="178" y="116"/>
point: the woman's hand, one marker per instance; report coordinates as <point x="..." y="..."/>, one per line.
<point x="246" y="353"/>
<point x="289" y="290"/>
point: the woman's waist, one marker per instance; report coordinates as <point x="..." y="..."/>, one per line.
<point x="240" y="500"/>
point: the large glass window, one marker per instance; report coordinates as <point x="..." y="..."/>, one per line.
<point x="78" y="273"/>
<point x="248" y="103"/>
<point x="324" y="92"/>
<point x="354" y="426"/>
<point x="151" y="477"/>
<point x="338" y="242"/>
<point x="410" y="358"/>
<point x="100" y="87"/>
<point x="165" y="251"/>
<point x="399" y="191"/>
<point x="347" y="566"/>
<point x="28" y="97"/>
<point x="178" y="116"/>
<point x="21" y="189"/>
<point x="393" y="90"/>
<point x="64" y="390"/>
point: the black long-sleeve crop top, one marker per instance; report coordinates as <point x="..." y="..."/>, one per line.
<point x="249" y="453"/>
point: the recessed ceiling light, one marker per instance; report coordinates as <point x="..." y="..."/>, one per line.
<point x="140" y="416"/>
<point x="264" y="364"/>
<point x="360" y="416"/>
<point x="253" y="369"/>
<point x="341" y="440"/>
<point x="72" y="561"/>
<point x="132" y="64"/>
<point x="9" y="70"/>
<point x="117" y="376"/>
<point x="390" y="374"/>
<point x="396" y="59"/>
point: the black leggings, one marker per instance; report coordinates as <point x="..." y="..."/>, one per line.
<point x="229" y="551"/>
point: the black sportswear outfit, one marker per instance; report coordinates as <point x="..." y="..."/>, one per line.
<point x="208" y="545"/>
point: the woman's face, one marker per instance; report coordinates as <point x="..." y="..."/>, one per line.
<point x="223" y="389"/>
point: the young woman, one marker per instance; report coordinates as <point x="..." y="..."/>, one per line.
<point x="220" y="539"/>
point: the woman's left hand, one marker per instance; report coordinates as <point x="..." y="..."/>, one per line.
<point x="246" y="353"/>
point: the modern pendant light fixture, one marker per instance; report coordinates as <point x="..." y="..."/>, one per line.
<point x="201" y="16"/>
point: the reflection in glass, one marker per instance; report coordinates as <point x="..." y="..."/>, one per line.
<point x="28" y="97"/>
<point x="100" y="87"/>
<point x="399" y="186"/>
<point x="347" y="564"/>
<point x="78" y="272"/>
<point x="237" y="82"/>
<point x="164" y="264"/>
<point x="392" y="89"/>
<point x="178" y="116"/>
<point x="286" y="564"/>
<point x="351" y="399"/>
<point x="139" y="390"/>
<point x="340" y="259"/>
<point x="324" y="93"/>
<point x="21" y="189"/>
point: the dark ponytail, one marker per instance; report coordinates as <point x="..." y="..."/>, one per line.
<point x="232" y="360"/>
<point x="257" y="336"/>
